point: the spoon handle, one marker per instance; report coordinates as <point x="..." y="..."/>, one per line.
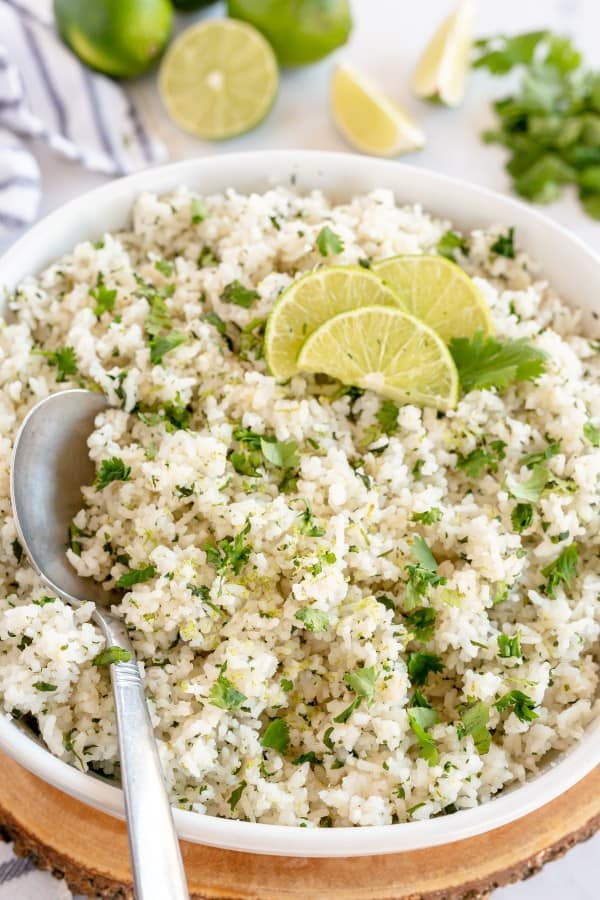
<point x="156" y="863"/>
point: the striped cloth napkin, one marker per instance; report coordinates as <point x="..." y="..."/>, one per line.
<point x="20" y="879"/>
<point x="47" y="95"/>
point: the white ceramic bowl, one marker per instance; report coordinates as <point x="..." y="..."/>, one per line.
<point x="573" y="269"/>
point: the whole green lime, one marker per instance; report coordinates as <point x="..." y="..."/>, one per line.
<point x="300" y="31"/>
<point x="188" y="5"/>
<point x="118" y="37"/>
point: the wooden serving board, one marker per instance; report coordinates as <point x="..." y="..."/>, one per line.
<point x="89" y="850"/>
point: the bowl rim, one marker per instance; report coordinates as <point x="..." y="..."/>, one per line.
<point x="268" y="167"/>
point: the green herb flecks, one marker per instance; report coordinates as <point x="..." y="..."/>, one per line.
<point x="136" y="576"/>
<point x="224" y="695"/>
<point x="420" y="718"/>
<point x="230" y="554"/>
<point x="113" y="469"/>
<point x="509" y="646"/>
<point x="236" y="795"/>
<point x="428" y="516"/>
<point x="504" y="245"/>
<point x="105" y="298"/>
<point x="198" y="210"/>
<point x="421" y="622"/>
<point x="112" y="655"/>
<point x="562" y="570"/>
<point x="314" y="620"/>
<point x="362" y="682"/>
<point x="474" y="721"/>
<point x="328" y="242"/>
<point x="450" y="244"/>
<point x="276" y="736"/>
<point x="419" y="666"/>
<point x="238" y="295"/>
<point x="421" y="576"/>
<point x="64" y="361"/>
<point x="521" y="517"/>
<point x="532" y="488"/>
<point x="519" y="703"/>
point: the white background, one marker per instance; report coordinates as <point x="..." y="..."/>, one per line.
<point x="387" y="39"/>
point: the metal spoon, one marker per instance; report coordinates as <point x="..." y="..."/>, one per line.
<point x="50" y="463"/>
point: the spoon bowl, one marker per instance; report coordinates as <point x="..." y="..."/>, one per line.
<point x="50" y="463"/>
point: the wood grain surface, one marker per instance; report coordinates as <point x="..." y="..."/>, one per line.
<point x="89" y="850"/>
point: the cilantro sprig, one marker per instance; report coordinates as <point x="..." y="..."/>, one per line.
<point x="64" y="360"/>
<point x="551" y="124"/>
<point x="230" y="554"/>
<point x="422" y="575"/>
<point x="113" y="469"/>
<point x="362" y="682"/>
<point x="489" y="362"/>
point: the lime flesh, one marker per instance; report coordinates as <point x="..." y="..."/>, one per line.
<point x="309" y="302"/>
<point x="218" y="79"/>
<point x="368" y="118"/>
<point x="387" y="351"/>
<point x="121" y="38"/>
<point x="441" y="73"/>
<point x="439" y="293"/>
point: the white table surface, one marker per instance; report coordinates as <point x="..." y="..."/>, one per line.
<point x="387" y="38"/>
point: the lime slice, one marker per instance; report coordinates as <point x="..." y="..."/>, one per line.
<point x="370" y="120"/>
<point x="309" y="302"/>
<point x="298" y="32"/>
<point x="441" y="73"/>
<point x="387" y="351"/>
<point x="119" y="37"/>
<point x="218" y="79"/>
<point x="439" y="293"/>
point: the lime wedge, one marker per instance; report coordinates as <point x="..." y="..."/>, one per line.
<point x="218" y="79"/>
<point x="387" y="351"/>
<point x="369" y="119"/>
<point x="441" y="73"/>
<point x="439" y="293"/>
<point x="309" y="302"/>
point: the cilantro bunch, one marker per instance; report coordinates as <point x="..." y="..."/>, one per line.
<point x="551" y="125"/>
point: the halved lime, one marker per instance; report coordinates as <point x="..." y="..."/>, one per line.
<point x="442" y="70"/>
<point x="387" y="351"/>
<point x="439" y="293"/>
<point x="368" y="118"/>
<point x="309" y="302"/>
<point x="218" y="79"/>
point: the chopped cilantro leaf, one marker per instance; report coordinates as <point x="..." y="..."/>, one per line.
<point x="64" y="360"/>
<point x="519" y="703"/>
<point x="562" y="569"/>
<point x="307" y="524"/>
<point x="419" y="666"/>
<point x="504" y="245"/>
<point x="165" y="267"/>
<point x="224" y="695"/>
<point x="451" y="242"/>
<point x="44" y="686"/>
<point x="136" y="576"/>
<point x="283" y="454"/>
<point x="428" y="517"/>
<point x="105" y="298"/>
<point x="422" y="622"/>
<point x="420" y="718"/>
<point x="236" y="795"/>
<point x="387" y="416"/>
<point x="286" y="685"/>
<point x="532" y="488"/>
<point x="229" y="554"/>
<point x="508" y="646"/>
<point x="328" y="242"/>
<point x="158" y="318"/>
<point x="236" y="293"/>
<point x="112" y="655"/>
<point x="252" y="339"/>
<point x="534" y="459"/>
<point x="422" y="575"/>
<point x="521" y="517"/>
<point x="362" y="682"/>
<point x="501" y="53"/>
<point x="313" y="619"/>
<point x="478" y="461"/>
<point x="276" y="736"/>
<point x="474" y="719"/>
<point x="110" y="470"/>
<point x="592" y="434"/>
<point x="387" y="602"/>
<point x="162" y="344"/>
<point x="198" y="210"/>
<point x="309" y="757"/>
<point x="207" y="258"/>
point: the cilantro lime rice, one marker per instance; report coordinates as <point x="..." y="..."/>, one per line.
<point x="346" y="612"/>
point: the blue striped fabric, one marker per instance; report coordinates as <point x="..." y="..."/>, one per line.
<point x="20" y="880"/>
<point x="46" y="94"/>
